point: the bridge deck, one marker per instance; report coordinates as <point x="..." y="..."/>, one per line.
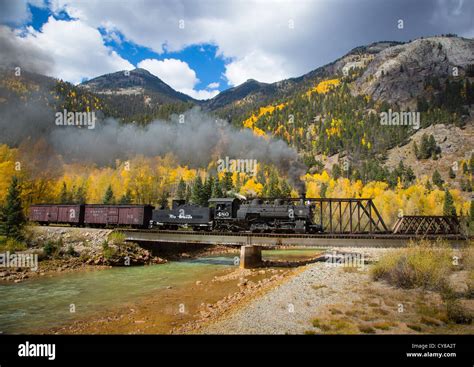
<point x="271" y="239"/>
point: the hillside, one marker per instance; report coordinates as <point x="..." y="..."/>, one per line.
<point x="340" y="113"/>
<point x="331" y="115"/>
<point x="133" y="82"/>
<point x="456" y="145"/>
<point x="399" y="74"/>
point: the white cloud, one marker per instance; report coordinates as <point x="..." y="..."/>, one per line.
<point x="77" y="49"/>
<point x="214" y="85"/>
<point x="252" y="30"/>
<point x="175" y="73"/>
<point x="17" y="11"/>
<point x="178" y="75"/>
<point x="249" y="33"/>
<point x="237" y="28"/>
<point x="200" y="94"/>
<point x="256" y="65"/>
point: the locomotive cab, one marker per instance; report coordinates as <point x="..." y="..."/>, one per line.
<point x="225" y="214"/>
<point x="224" y="208"/>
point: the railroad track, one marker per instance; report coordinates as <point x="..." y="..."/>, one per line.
<point x="282" y="239"/>
<point x="387" y="235"/>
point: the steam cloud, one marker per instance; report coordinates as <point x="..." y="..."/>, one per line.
<point x="197" y="141"/>
<point x="19" y="52"/>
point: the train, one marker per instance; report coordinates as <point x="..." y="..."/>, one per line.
<point x="222" y="214"/>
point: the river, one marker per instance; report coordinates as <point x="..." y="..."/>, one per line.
<point x="44" y="303"/>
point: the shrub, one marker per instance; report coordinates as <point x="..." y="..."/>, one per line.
<point x="107" y="251"/>
<point x="422" y="264"/>
<point x="457" y="313"/>
<point x="366" y="329"/>
<point x="52" y="248"/>
<point x="70" y="250"/>
<point x="12" y="245"/>
<point x="117" y="237"/>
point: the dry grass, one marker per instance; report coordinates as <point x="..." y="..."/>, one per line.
<point x="423" y="264"/>
<point x="318" y="286"/>
<point x="468" y="264"/>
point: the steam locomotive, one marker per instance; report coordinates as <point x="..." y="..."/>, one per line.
<point x="232" y="214"/>
<point x="222" y="214"/>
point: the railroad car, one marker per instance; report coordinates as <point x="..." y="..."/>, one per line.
<point x="45" y="214"/>
<point x="91" y="215"/>
<point x="222" y="214"/>
<point x="182" y="215"/>
<point x="100" y="215"/>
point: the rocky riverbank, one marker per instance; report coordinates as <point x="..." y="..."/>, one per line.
<point x="325" y="298"/>
<point x="65" y="249"/>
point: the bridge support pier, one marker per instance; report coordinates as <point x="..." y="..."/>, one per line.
<point x="250" y="256"/>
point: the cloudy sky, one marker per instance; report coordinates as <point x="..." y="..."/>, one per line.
<point x="203" y="47"/>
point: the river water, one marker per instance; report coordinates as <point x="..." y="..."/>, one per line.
<point x="46" y="302"/>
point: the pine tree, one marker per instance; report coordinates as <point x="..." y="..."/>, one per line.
<point x="163" y="199"/>
<point x="13" y="218"/>
<point x="227" y="184"/>
<point x="64" y="195"/>
<point x="109" y="196"/>
<point x="285" y="189"/>
<point x="273" y="186"/>
<point x="323" y="189"/>
<point x="181" y="190"/>
<point x="465" y="168"/>
<point x="126" y="198"/>
<point x="216" y="189"/>
<point x="416" y="151"/>
<point x="197" y="191"/>
<point x="448" y="206"/>
<point x="452" y="175"/>
<point x="336" y="171"/>
<point x="80" y="196"/>
<point x="207" y="190"/>
<point x="428" y="185"/>
<point x="437" y="180"/>
<point x="424" y="147"/>
<point x="188" y="193"/>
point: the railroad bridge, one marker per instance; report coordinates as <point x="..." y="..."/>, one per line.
<point x="347" y="222"/>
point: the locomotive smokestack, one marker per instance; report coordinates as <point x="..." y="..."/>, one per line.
<point x="302" y="197"/>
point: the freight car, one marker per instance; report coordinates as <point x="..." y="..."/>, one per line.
<point x="223" y="214"/>
<point x="92" y="215"/>
<point x="99" y="215"/>
<point x="45" y="214"/>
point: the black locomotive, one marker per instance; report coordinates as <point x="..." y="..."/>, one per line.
<point x="227" y="214"/>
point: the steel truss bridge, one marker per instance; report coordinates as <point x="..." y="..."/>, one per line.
<point x="347" y="222"/>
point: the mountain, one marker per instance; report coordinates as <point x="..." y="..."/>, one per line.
<point x="332" y="115"/>
<point x="394" y="72"/>
<point x="238" y="100"/>
<point x="135" y="82"/>
<point x="400" y="74"/>
<point x="250" y="89"/>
